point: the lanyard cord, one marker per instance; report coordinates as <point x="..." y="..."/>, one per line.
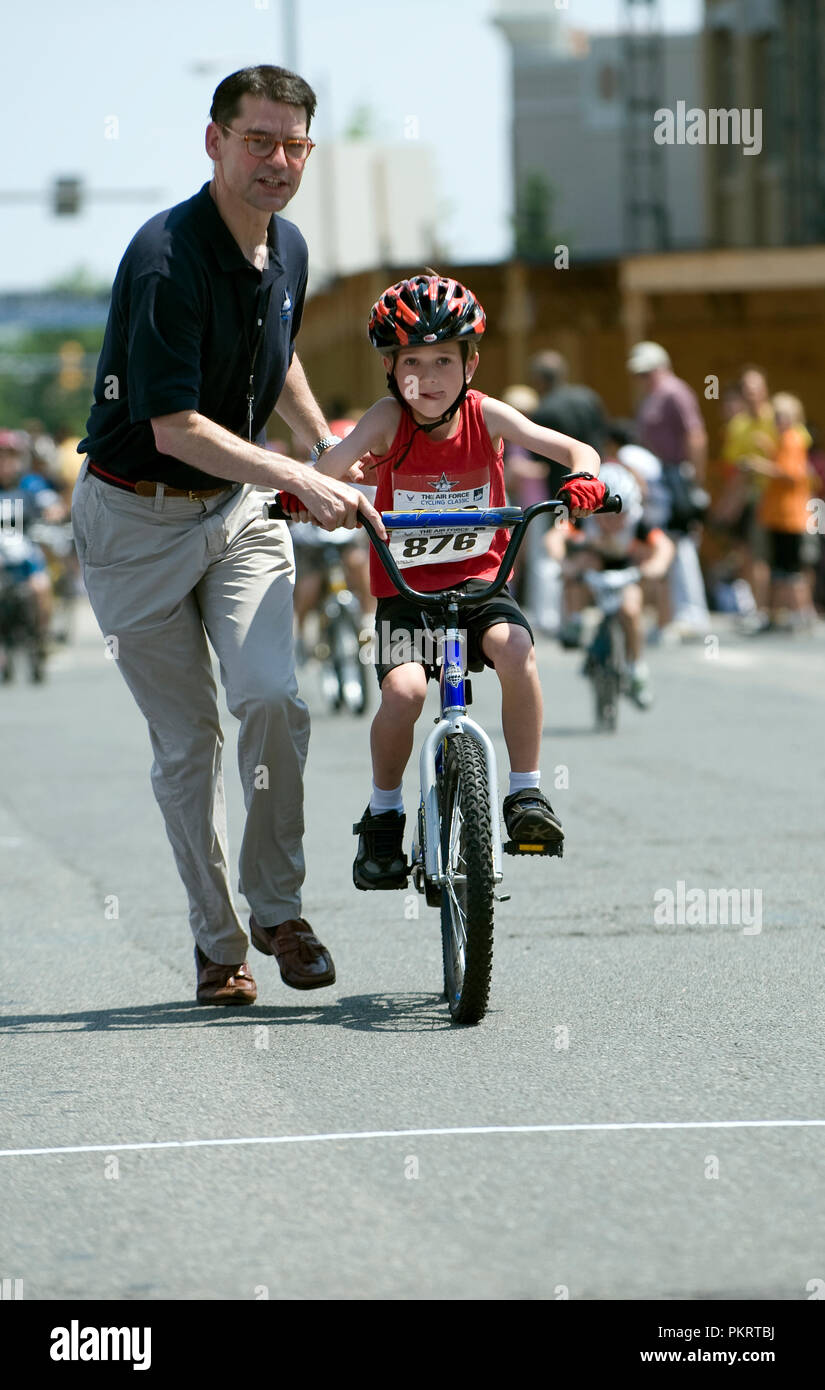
<point x="253" y="347"/>
<point x="261" y="327"/>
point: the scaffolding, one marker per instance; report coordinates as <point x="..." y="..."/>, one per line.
<point x="803" y="39"/>
<point x="644" y="190"/>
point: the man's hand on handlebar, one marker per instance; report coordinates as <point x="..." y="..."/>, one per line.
<point x="330" y="503"/>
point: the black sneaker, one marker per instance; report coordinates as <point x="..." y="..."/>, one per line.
<point x="530" y="818"/>
<point x="380" y="861"/>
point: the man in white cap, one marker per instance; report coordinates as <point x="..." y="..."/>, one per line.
<point x="669" y="424"/>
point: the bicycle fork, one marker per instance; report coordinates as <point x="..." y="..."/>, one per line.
<point x="454" y="720"/>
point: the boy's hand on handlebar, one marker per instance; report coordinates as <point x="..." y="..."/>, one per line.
<point x="583" y="493"/>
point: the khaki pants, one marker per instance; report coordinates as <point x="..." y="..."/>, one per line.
<point x="163" y="574"/>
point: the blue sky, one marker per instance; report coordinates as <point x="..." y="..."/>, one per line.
<point x="67" y="68"/>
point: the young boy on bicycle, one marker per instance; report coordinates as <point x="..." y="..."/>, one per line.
<point x="437" y="444"/>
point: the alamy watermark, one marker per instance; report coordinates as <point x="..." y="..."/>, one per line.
<point x="395" y="646"/>
<point x="716" y="126"/>
<point x="709" y="907"/>
<point x="76" y="1343"/>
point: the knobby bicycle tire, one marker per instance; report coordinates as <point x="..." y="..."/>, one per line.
<point x="467" y="897"/>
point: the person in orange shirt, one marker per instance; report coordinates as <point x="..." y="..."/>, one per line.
<point x="783" y="512"/>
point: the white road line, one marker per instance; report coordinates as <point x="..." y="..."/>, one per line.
<point x="419" y="1134"/>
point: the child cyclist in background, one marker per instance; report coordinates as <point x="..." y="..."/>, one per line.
<point x="436" y="444"/>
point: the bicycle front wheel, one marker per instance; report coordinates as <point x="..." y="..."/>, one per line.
<point x="467" y="895"/>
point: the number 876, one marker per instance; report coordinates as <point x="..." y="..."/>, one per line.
<point x="417" y="545"/>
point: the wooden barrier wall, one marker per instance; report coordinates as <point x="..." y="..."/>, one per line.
<point x="580" y="312"/>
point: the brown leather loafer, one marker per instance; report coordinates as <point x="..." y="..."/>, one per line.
<point x="303" y="962"/>
<point x="223" y="984"/>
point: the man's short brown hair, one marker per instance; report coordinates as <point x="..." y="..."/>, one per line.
<point x="275" y="84"/>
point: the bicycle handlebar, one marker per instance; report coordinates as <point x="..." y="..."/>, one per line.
<point x="497" y="518"/>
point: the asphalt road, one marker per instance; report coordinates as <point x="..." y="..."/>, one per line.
<point x="601" y="1015"/>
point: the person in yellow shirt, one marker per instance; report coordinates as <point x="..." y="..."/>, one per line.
<point x="751" y="433"/>
<point x="783" y="512"/>
<point x="751" y="430"/>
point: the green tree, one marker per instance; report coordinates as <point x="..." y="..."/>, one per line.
<point x="361" y="124"/>
<point x="536" y="237"/>
<point x="33" y="379"/>
<point x="80" y="281"/>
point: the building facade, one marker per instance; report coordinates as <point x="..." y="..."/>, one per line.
<point x="357" y="212"/>
<point x="582" y="133"/>
<point x="768" y="56"/>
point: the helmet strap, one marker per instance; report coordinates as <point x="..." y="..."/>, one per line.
<point x="447" y="415"/>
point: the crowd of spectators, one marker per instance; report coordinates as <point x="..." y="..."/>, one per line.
<point x="37" y="474"/>
<point x="743" y="507"/>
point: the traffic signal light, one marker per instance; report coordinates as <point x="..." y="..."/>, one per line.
<point x="67" y="197"/>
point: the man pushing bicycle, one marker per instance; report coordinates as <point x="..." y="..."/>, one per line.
<point x="435" y="443"/>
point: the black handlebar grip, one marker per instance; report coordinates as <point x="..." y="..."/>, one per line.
<point x="280" y="510"/>
<point x="613" y="503"/>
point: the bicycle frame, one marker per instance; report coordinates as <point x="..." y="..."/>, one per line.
<point x="454" y="718"/>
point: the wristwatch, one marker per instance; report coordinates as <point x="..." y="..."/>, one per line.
<point x="328" y="442"/>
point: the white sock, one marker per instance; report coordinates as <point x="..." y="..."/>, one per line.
<point x="520" y="781"/>
<point x="381" y="801"/>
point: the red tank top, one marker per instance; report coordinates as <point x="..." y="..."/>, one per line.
<point x="464" y="472"/>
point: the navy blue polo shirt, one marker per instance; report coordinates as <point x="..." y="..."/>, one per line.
<point x="189" y="316"/>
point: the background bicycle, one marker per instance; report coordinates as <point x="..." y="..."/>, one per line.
<point x="605" y="663"/>
<point x="20" y="631"/>
<point x="332" y="626"/>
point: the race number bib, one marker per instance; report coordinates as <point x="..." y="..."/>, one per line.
<point x="434" y="546"/>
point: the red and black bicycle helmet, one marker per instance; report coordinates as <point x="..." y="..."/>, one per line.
<point x="425" y="309"/>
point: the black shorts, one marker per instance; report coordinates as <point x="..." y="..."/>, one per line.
<point x="786" y="552"/>
<point x="403" y="633"/>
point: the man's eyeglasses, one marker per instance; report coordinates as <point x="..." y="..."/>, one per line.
<point x="261" y="146"/>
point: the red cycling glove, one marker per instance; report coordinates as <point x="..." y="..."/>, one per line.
<point x="583" y="490"/>
<point x="290" y="504"/>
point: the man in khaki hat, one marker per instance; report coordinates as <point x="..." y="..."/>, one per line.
<point x="668" y="419"/>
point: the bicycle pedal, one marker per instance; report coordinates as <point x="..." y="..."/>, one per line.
<point x="383" y="885"/>
<point x="554" y="850"/>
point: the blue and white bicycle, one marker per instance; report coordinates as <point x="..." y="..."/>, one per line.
<point x="456" y="858"/>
